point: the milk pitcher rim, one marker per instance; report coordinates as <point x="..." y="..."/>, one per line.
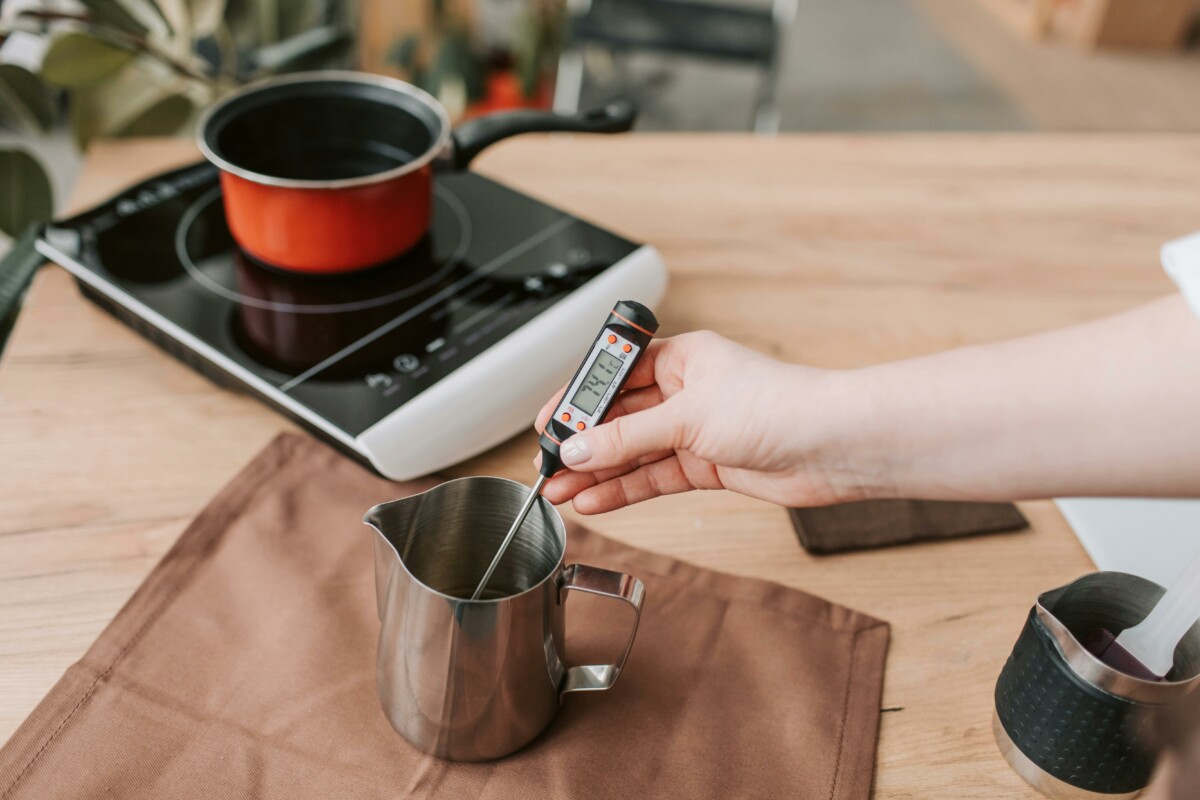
<point x="559" y="530"/>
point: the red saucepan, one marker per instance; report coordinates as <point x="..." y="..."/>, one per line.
<point x="329" y="172"/>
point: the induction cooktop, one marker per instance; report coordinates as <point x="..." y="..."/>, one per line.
<point x="409" y="366"/>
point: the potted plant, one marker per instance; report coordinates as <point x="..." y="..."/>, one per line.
<point x="448" y="59"/>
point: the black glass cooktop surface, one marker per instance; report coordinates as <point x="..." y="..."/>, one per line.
<point x="355" y="347"/>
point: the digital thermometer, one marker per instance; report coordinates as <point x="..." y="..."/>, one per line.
<point x="599" y="379"/>
<point x="589" y="396"/>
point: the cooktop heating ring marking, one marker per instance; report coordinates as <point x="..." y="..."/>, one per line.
<point x="205" y="200"/>
<point x="519" y="248"/>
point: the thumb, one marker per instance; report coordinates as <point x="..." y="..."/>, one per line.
<point x="625" y="439"/>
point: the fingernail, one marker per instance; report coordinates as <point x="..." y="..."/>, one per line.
<point x="537" y="460"/>
<point x="575" y="451"/>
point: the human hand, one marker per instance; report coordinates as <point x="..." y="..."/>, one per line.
<point x="701" y="412"/>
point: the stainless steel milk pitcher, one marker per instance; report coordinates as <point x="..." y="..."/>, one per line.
<point x="474" y="680"/>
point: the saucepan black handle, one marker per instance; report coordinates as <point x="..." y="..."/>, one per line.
<point x="470" y="138"/>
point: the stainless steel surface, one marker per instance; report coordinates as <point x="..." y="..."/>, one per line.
<point x="1038" y="778"/>
<point x="1115" y="600"/>
<point x="471" y="680"/>
<point x="1112" y="600"/>
<point x="593" y="580"/>
<point x="534" y="494"/>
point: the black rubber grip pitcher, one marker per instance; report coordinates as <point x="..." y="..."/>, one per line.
<point x="1069" y="724"/>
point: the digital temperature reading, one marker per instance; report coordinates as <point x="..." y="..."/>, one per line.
<point x="596" y="382"/>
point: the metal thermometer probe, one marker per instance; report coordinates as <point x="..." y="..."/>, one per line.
<point x="590" y="394"/>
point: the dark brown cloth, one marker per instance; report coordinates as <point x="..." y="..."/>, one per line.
<point x="882" y="523"/>
<point x="244" y="666"/>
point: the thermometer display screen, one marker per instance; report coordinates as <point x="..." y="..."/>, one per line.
<point x="601" y="376"/>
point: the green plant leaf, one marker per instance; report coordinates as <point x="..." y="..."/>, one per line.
<point x="126" y="105"/>
<point x="160" y="13"/>
<point x="296" y="17"/>
<point x="25" y="194"/>
<point x="115" y="14"/>
<point x="79" y="59"/>
<point x="206" y="16"/>
<point x="468" y="63"/>
<point x="441" y="68"/>
<point x="309" y="50"/>
<point x="537" y="47"/>
<point x="85" y="117"/>
<point x="163" y="117"/>
<point x="526" y="66"/>
<point x="403" y="53"/>
<point x="242" y="19"/>
<point x="24" y="98"/>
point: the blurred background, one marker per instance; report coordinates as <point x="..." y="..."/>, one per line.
<point x="72" y="71"/>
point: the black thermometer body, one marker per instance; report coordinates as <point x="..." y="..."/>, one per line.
<point x="601" y="375"/>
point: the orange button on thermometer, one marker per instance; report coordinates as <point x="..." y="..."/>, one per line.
<point x="566" y="417"/>
<point x="580" y="426"/>
<point x="612" y="339"/>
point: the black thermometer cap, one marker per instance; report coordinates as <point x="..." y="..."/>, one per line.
<point x="637" y="314"/>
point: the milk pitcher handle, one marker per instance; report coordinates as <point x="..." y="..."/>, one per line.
<point x="619" y="586"/>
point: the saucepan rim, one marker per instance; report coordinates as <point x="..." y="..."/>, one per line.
<point x="440" y="141"/>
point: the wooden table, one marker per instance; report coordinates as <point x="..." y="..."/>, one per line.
<point x="832" y="250"/>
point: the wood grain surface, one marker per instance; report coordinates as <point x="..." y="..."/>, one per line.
<point x="836" y="251"/>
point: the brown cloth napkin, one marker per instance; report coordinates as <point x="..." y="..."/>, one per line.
<point x="244" y="666"/>
<point x="881" y="523"/>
